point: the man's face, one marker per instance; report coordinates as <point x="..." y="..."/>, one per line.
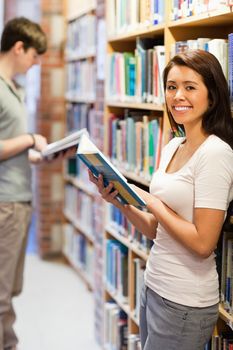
<point x="27" y="59"/>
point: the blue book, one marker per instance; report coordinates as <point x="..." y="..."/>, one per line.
<point x="99" y="164"/>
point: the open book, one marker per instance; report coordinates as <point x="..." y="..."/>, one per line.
<point x="99" y="164"/>
<point x="63" y="144"/>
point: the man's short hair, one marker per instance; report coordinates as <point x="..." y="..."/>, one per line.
<point x="23" y="29"/>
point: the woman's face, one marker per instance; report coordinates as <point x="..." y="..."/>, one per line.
<point x="186" y="96"/>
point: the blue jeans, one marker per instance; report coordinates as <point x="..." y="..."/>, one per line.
<point x="168" y="325"/>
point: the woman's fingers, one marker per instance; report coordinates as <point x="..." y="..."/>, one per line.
<point x="108" y="193"/>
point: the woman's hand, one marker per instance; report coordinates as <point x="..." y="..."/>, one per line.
<point x="108" y="193"/>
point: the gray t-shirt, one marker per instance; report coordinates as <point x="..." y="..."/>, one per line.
<point x="15" y="172"/>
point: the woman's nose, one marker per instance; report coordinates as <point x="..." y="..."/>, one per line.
<point x="179" y="94"/>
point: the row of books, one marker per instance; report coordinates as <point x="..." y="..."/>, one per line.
<point x="115" y="327"/>
<point x="79" y="206"/>
<point x="221" y="342"/>
<point x="137" y="77"/>
<point x="134" y="342"/>
<point x="83" y="115"/>
<point x="79" y="116"/>
<point x="81" y="37"/>
<point x="182" y="9"/>
<point x="135" y="143"/>
<point x="226" y="286"/>
<point x="116" y="269"/>
<point x="130" y="15"/>
<point x="116" y="335"/>
<point x="121" y="225"/>
<point x="78" y="250"/>
<point x="81" y="80"/>
<point x="218" y="47"/>
<point x="222" y="49"/>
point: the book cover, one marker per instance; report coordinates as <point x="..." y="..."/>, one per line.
<point x="99" y="164"/>
<point x="63" y="144"/>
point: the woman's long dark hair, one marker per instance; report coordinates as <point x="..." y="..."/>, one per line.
<point x="217" y="119"/>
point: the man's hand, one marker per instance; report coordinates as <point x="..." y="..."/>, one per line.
<point x="34" y="156"/>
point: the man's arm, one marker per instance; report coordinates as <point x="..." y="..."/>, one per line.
<point x="11" y="147"/>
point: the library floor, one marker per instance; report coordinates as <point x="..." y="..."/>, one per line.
<point x="55" y="310"/>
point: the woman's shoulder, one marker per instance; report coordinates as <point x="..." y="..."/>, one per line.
<point x="215" y="144"/>
<point x="215" y="152"/>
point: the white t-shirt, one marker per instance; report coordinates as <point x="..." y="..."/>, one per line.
<point x="205" y="181"/>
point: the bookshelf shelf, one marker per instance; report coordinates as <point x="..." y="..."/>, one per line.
<point x="135" y="319"/>
<point x="124" y="306"/>
<point x="225" y="316"/>
<point x="77" y="14"/>
<point x="76" y="223"/>
<point x="213" y="18"/>
<point x="79" y="270"/>
<point x="126" y="242"/>
<point x="142" y="31"/>
<point x="79" y="184"/>
<point x="145" y="106"/>
<point x="79" y="57"/>
<point x="79" y="99"/>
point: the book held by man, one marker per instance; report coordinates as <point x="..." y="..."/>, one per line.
<point x="99" y="164"/>
<point x="67" y="142"/>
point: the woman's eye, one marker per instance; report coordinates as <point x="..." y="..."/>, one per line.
<point x="171" y="87"/>
<point x="189" y="88"/>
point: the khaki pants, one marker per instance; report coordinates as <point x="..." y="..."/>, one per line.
<point x="14" y="224"/>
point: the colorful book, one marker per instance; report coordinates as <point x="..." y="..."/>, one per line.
<point x="99" y="164"/>
<point x="64" y="144"/>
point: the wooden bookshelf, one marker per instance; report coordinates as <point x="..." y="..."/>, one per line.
<point x="83" y="209"/>
<point x="212" y="24"/>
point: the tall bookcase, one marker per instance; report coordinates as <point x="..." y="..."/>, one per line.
<point x="130" y="23"/>
<point x="84" y="94"/>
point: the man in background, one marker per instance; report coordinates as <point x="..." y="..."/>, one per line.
<point x="22" y="43"/>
